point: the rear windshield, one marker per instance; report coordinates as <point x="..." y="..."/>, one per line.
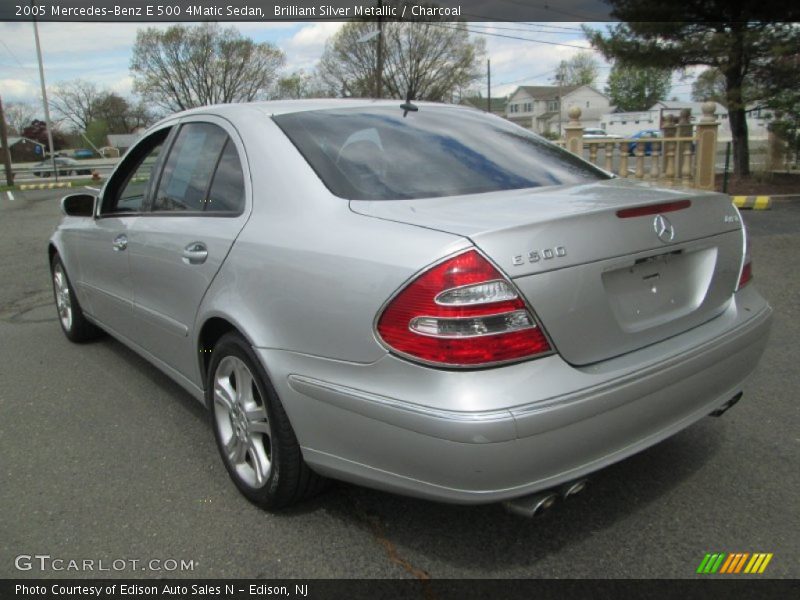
<point x="378" y="154"/>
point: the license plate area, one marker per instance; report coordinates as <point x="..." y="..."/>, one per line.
<point x="649" y="292"/>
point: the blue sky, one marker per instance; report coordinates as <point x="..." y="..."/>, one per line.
<point x="100" y="52"/>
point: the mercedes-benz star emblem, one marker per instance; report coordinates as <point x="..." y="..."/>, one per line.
<point x="664" y="229"/>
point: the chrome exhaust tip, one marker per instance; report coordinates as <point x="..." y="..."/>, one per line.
<point x="573" y="488"/>
<point x="531" y="506"/>
<point x="727" y="406"/>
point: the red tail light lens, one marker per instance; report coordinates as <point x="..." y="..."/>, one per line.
<point x="746" y="275"/>
<point x="461" y="312"/>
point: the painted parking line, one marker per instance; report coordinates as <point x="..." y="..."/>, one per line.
<point x="10" y="195"/>
<point x="94" y="189"/>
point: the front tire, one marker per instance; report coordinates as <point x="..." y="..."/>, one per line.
<point x="70" y="316"/>
<point x="254" y="437"/>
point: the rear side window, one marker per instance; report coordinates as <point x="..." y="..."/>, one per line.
<point x="382" y="154"/>
<point x="189" y="168"/>
<point x="227" y="188"/>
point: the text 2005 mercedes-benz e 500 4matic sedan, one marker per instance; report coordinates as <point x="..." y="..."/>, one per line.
<point x="419" y="298"/>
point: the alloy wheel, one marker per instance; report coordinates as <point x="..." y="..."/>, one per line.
<point x="242" y="422"/>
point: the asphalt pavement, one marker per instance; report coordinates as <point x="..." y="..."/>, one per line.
<point x="102" y="458"/>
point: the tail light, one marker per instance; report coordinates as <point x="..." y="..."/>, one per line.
<point x="461" y="312"/>
<point x="746" y="274"/>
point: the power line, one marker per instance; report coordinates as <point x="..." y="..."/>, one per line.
<point x="510" y="37"/>
<point x="530" y="30"/>
<point x="14" y="56"/>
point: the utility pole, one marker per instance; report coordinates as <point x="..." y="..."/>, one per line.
<point x="379" y="69"/>
<point x="44" y="96"/>
<point x="489" y="82"/>
<point x="560" y="81"/>
<point x="6" y="149"/>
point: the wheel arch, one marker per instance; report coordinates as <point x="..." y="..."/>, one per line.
<point x="209" y="333"/>
<point x="51" y="252"/>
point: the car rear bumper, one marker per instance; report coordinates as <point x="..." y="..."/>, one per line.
<point x="490" y="435"/>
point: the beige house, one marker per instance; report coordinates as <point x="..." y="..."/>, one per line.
<point x="543" y="108"/>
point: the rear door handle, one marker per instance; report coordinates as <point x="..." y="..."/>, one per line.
<point x="195" y="253"/>
<point x="120" y="242"/>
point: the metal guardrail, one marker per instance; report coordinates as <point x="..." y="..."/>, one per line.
<point x="29" y="172"/>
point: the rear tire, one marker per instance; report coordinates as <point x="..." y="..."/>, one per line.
<point x="254" y="437"/>
<point x="70" y="315"/>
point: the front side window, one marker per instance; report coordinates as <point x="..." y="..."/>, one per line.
<point x="187" y="173"/>
<point x="127" y="188"/>
<point x="378" y="154"/>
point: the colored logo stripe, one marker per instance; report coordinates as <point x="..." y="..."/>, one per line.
<point x="720" y="562"/>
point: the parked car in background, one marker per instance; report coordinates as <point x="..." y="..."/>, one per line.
<point x="421" y="298"/>
<point x="64" y="165"/>
<point x="591" y="133"/>
<point x="642" y="136"/>
<point x="83" y="153"/>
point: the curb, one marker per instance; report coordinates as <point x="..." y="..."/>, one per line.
<point x="753" y="202"/>
<point x="45" y="186"/>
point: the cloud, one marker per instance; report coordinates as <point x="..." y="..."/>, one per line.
<point x="19" y="90"/>
<point x="518" y="62"/>
<point x="305" y="47"/>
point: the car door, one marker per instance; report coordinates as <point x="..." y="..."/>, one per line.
<point x="198" y="207"/>
<point x="102" y="248"/>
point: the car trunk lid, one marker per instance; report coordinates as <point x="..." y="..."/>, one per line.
<point x="595" y="271"/>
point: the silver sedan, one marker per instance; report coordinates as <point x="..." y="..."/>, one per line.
<point x="422" y="298"/>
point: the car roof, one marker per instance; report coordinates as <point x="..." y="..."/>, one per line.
<point x="281" y="107"/>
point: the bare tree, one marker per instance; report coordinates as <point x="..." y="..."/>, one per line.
<point x="19" y="115"/>
<point x="82" y="104"/>
<point x="184" y="67"/>
<point x="75" y="100"/>
<point x="430" y="60"/>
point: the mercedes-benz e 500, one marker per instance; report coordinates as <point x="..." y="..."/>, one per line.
<point x="420" y="298"/>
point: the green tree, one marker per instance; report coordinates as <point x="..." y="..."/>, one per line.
<point x="710" y="85"/>
<point x="184" y="67"/>
<point x="581" y="69"/>
<point x="96" y="132"/>
<point x="740" y="36"/>
<point x="779" y="84"/>
<point x="431" y="60"/>
<point x="119" y="114"/>
<point x="637" y="88"/>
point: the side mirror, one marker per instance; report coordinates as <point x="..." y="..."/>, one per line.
<point x="78" y="205"/>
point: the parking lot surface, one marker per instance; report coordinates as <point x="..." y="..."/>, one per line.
<point x="104" y="458"/>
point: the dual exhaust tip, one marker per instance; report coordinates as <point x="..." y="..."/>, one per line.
<point x="537" y="504"/>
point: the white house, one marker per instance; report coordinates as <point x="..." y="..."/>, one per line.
<point x="543" y="108"/>
<point x="628" y="123"/>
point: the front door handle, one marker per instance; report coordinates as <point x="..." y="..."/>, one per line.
<point x="195" y="253"/>
<point x="120" y="242"/>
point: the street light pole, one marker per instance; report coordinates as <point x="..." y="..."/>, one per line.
<point x="44" y="96"/>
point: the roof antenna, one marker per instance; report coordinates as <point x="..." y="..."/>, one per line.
<point x="407" y="105"/>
